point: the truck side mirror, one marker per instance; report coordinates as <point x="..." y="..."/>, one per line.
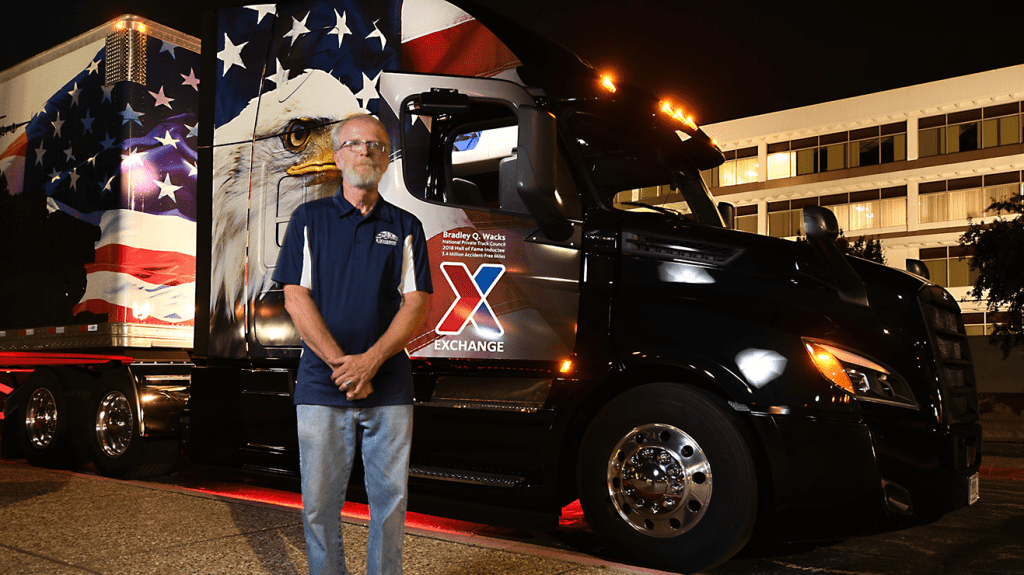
<point x="822" y="229"/>
<point x="441" y="101"/>
<point x="820" y="223"/>
<point x="918" y="267"/>
<point x="535" y="171"/>
<point x="728" y="212"/>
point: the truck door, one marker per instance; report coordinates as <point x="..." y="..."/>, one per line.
<point x="503" y="314"/>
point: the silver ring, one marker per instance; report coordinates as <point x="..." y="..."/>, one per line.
<point x="348" y="382"/>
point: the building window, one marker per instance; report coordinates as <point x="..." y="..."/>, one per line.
<point x="869" y="209"/>
<point x="746" y="219"/>
<point x="740" y="167"/>
<point x="983" y="323"/>
<point x="781" y="165"/>
<point x="830" y="152"/>
<point x="856" y="211"/>
<point x="786" y="218"/>
<point x="949" y="266"/>
<point x="970" y="130"/>
<point x="878" y="145"/>
<point x="965" y="198"/>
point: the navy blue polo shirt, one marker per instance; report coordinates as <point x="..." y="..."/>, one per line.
<point x="357" y="269"/>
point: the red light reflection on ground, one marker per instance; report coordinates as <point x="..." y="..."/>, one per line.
<point x="572" y="514"/>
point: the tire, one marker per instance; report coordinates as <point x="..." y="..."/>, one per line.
<point x="667" y="480"/>
<point x="116" y="447"/>
<point x="48" y="413"/>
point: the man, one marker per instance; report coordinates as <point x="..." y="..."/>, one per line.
<point x="357" y="283"/>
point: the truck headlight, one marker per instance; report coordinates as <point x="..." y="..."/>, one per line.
<point x="857" y="375"/>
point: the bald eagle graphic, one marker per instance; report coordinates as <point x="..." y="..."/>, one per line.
<point x="259" y="177"/>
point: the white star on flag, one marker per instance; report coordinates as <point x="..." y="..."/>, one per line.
<point x="74" y="180"/>
<point x="280" y="76"/>
<point x="130" y="115"/>
<point x="167" y="188"/>
<point x="56" y="125"/>
<point x="87" y="123"/>
<point x="231" y="55"/>
<point x="191" y="79"/>
<point x="168" y="47"/>
<point x="368" y="92"/>
<point x="39" y="154"/>
<point x="74" y="93"/>
<point x="262" y="10"/>
<point x="193" y="170"/>
<point x="94" y="67"/>
<point x="69" y="153"/>
<point x="134" y="157"/>
<point x="298" y="28"/>
<point x="340" y="26"/>
<point x="161" y="99"/>
<point x="167" y="140"/>
<point x="106" y="93"/>
<point x="377" y="34"/>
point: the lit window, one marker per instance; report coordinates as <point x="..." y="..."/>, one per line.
<point x="781" y="165"/>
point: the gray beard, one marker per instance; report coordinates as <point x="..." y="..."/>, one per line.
<point x="364" y="177"/>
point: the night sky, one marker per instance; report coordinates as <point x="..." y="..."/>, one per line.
<point x="726" y="59"/>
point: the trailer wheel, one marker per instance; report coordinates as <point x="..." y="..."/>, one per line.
<point x="666" y="479"/>
<point x="47" y="411"/>
<point x="117" y="448"/>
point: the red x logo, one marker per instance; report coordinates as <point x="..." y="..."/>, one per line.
<point x="470" y="303"/>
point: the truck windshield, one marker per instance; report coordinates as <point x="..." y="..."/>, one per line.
<point x="638" y="170"/>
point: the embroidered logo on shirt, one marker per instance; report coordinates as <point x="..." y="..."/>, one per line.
<point x="387" y="238"/>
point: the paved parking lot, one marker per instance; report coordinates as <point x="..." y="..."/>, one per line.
<point x="57" y="522"/>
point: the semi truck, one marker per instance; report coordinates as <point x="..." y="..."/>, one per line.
<point x="598" y="331"/>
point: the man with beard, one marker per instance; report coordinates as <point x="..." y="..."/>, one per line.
<point x="357" y="283"/>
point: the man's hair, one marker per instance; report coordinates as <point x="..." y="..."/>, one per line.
<point x="336" y="130"/>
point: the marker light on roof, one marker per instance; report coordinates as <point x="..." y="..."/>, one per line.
<point x="608" y="83"/>
<point x="678" y="114"/>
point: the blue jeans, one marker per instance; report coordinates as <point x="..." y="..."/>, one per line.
<point x="327" y="445"/>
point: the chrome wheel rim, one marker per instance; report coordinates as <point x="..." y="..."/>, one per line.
<point x="41" y="418"/>
<point x="114" y="424"/>
<point x="659" y="480"/>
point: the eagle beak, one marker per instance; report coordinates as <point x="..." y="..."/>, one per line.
<point x="317" y="157"/>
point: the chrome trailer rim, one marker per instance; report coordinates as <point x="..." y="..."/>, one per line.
<point x="659" y="480"/>
<point x="41" y="418"/>
<point x="114" y="424"/>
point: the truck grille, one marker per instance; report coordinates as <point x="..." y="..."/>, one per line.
<point x="955" y="372"/>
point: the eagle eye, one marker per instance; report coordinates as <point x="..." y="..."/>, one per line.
<point x="297" y="134"/>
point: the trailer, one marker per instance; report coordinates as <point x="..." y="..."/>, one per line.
<point x="598" y="330"/>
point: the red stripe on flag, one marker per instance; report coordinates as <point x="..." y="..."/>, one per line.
<point x="17" y="148"/>
<point x="466" y="49"/>
<point x="164" y="268"/>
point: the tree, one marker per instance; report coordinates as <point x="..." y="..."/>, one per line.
<point x="998" y="257"/>
<point x="865" y="248"/>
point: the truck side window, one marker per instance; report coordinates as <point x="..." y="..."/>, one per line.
<point x="468" y="159"/>
<point x="481" y="161"/>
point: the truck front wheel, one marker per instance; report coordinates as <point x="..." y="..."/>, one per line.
<point x="667" y="480"/>
<point x="117" y="448"/>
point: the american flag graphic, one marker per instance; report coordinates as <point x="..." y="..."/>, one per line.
<point x="261" y="47"/>
<point x="121" y="159"/>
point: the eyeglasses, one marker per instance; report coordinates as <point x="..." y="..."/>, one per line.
<point x="371" y="146"/>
